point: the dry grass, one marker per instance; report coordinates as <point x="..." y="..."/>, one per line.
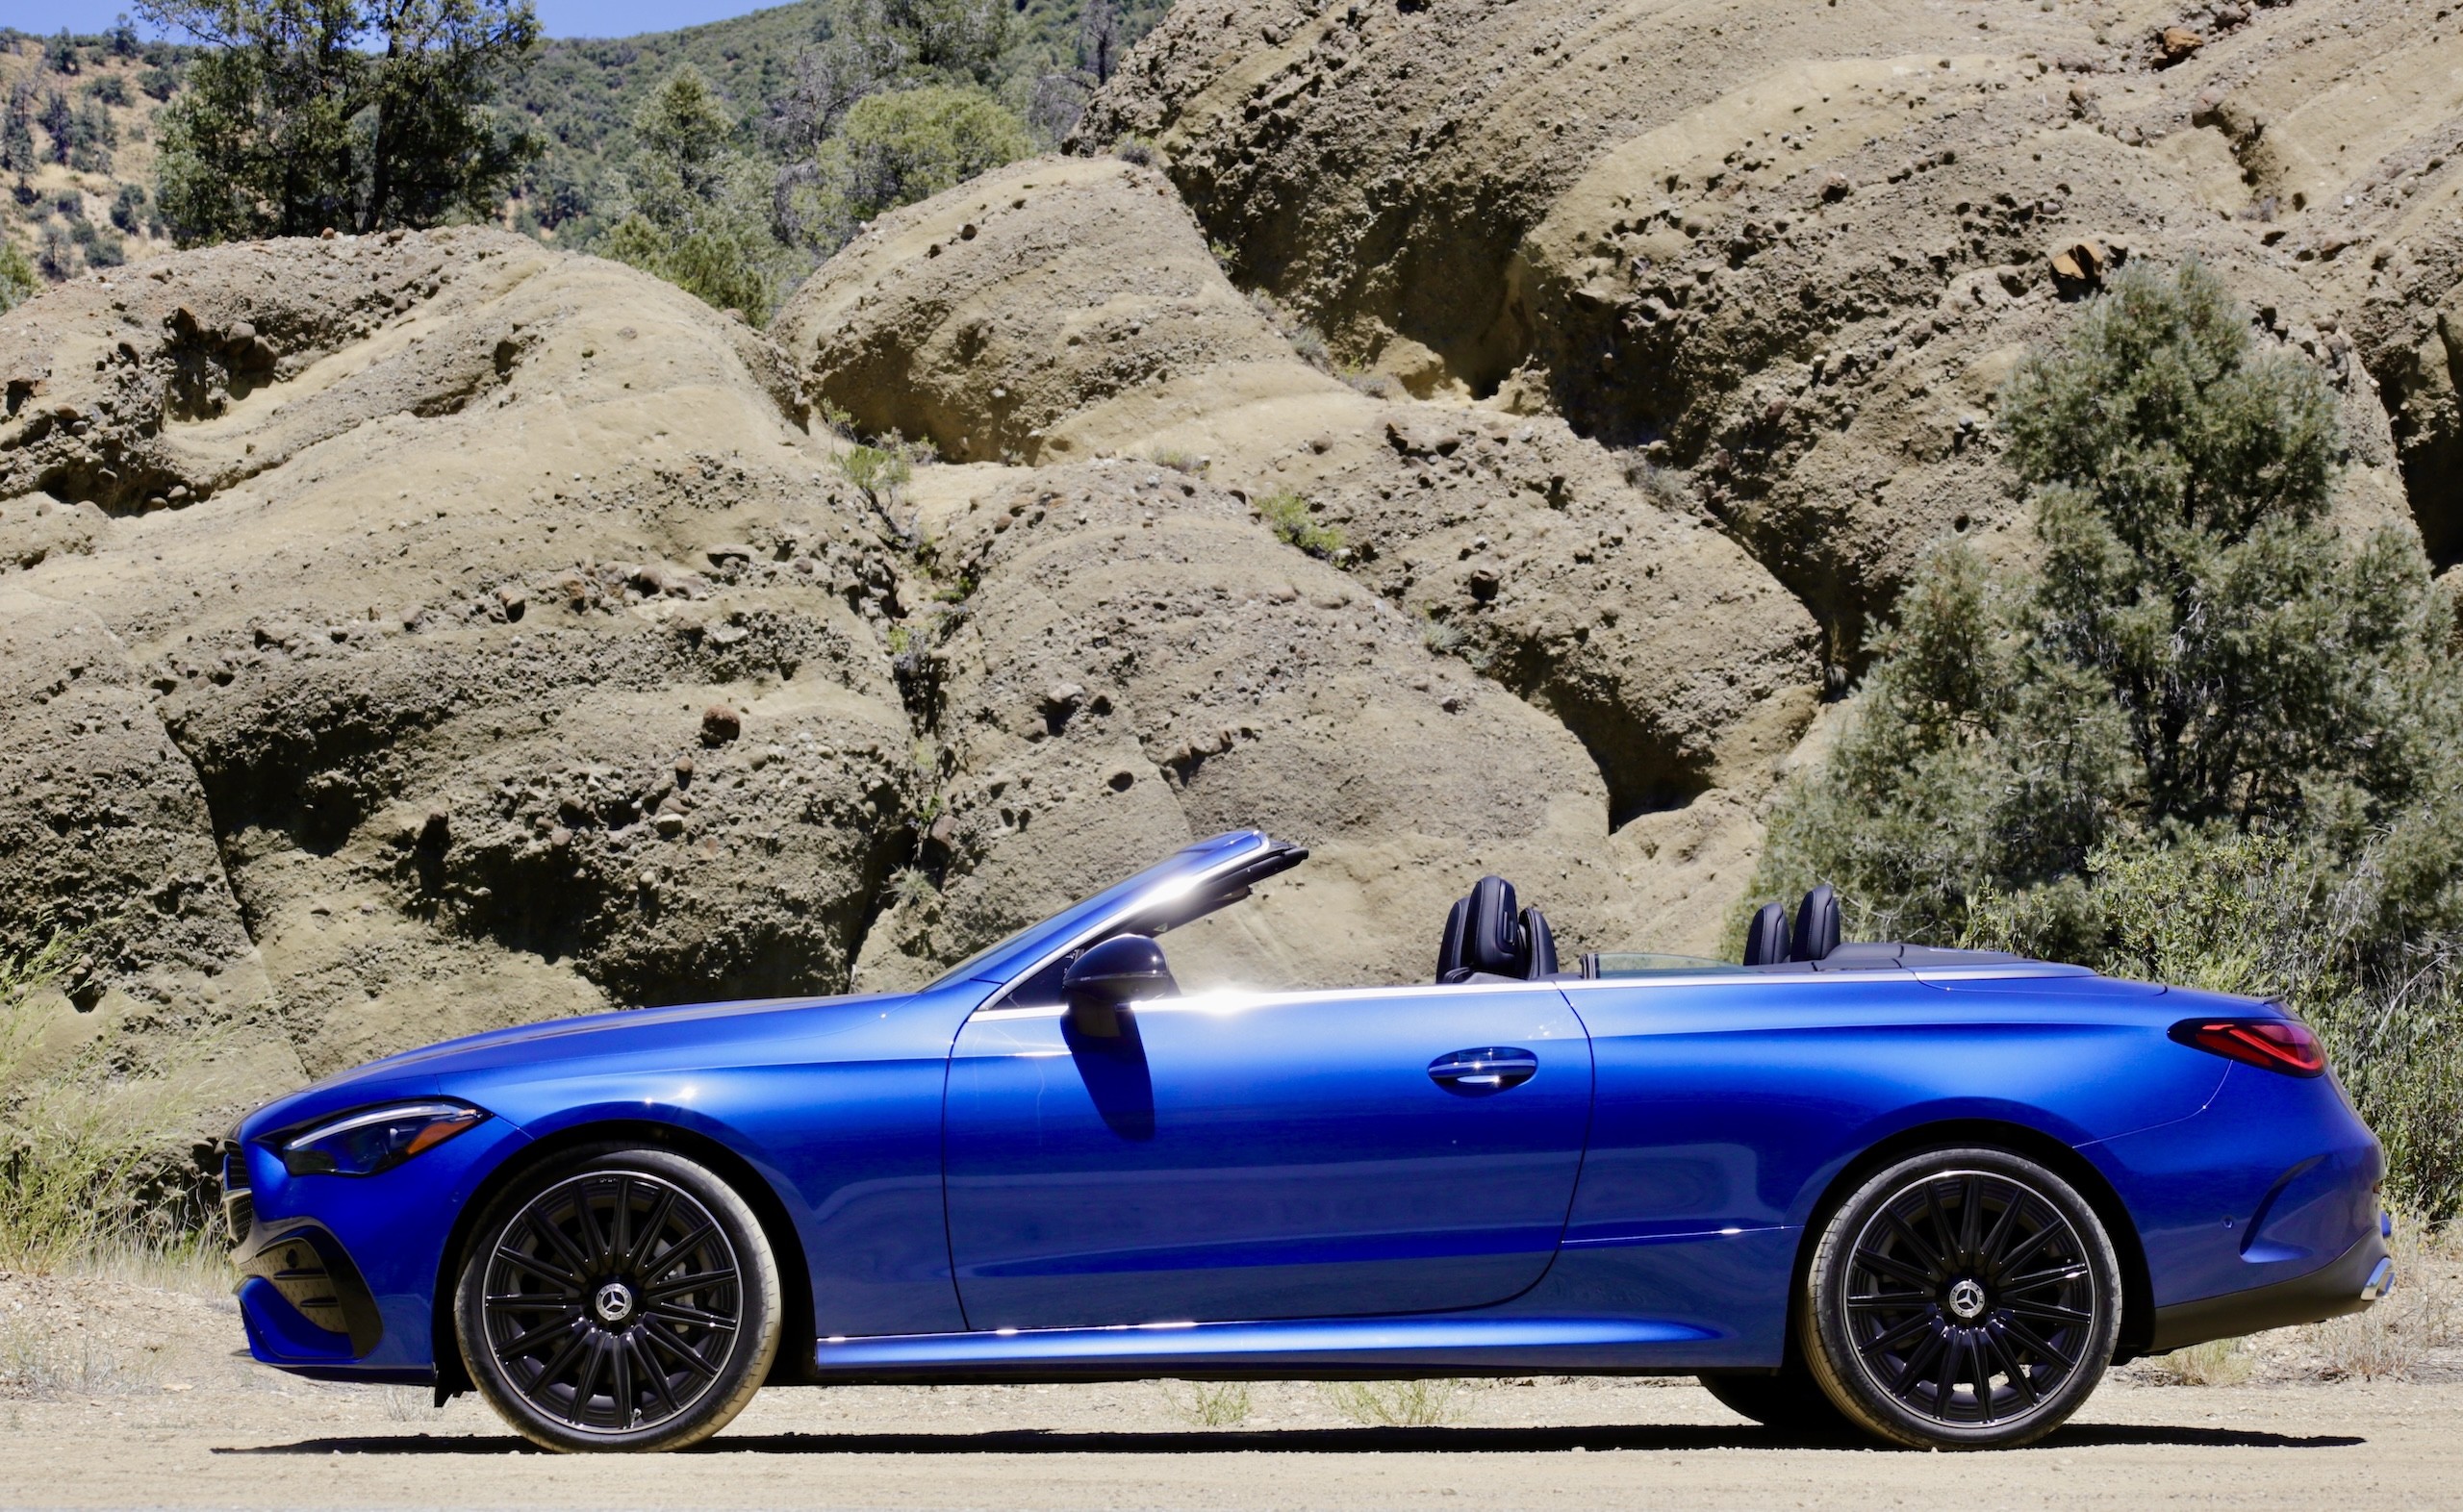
<point x="2392" y="1341"/>
<point x="1394" y="1405"/>
<point x="1180" y="459"/>
<point x="91" y="1168"/>
<point x="47" y="1362"/>
<point x="1208" y="1405"/>
<point x="2219" y="1362"/>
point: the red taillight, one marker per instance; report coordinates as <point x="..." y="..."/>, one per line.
<point x="2275" y="1045"/>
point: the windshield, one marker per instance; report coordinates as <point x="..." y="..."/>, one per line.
<point x="1003" y="959"/>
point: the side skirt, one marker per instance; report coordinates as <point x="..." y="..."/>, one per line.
<point x="1338" y="1349"/>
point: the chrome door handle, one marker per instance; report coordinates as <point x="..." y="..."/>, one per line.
<point x="1491" y="1070"/>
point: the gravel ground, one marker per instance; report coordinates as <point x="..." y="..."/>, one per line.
<point x="128" y="1394"/>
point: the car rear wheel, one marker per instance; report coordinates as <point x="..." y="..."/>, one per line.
<point x="618" y="1298"/>
<point x="1963" y="1298"/>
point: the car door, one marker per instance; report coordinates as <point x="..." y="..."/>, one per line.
<point x="1257" y="1156"/>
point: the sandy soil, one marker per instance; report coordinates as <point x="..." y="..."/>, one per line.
<point x="138" y="1399"/>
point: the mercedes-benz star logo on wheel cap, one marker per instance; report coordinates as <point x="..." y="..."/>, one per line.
<point x="1967" y="1300"/>
<point x="615" y="1302"/>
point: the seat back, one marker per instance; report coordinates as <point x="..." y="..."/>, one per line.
<point x="1817" y="926"/>
<point x="1449" y="946"/>
<point x="1765" y="938"/>
<point x="1493" y="931"/>
<point x="1486" y="935"/>
<point x="1540" y="946"/>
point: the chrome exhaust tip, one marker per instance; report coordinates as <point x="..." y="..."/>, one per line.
<point x="2381" y="1281"/>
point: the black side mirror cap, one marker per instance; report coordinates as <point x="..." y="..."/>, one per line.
<point x="1108" y="978"/>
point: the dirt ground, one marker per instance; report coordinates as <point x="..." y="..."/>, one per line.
<point x="127" y="1390"/>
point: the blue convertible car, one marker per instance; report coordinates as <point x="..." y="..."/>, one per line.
<point x="1927" y="1194"/>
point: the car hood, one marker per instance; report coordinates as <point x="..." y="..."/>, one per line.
<point x="728" y="1029"/>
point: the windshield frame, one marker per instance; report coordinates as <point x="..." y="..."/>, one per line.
<point x="1030" y="950"/>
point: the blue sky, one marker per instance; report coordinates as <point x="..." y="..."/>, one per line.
<point x="559" y="17"/>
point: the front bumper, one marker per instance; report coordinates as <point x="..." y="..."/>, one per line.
<point x="303" y="1298"/>
<point x="337" y="1277"/>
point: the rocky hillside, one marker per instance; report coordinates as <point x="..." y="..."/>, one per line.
<point x="415" y="633"/>
<point x="1789" y="249"/>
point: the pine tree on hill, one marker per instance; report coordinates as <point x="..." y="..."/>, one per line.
<point x="357" y="114"/>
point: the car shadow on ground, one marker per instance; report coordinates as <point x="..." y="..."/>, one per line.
<point x="1307" y="1441"/>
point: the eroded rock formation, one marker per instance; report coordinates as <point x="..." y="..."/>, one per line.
<point x="1483" y="436"/>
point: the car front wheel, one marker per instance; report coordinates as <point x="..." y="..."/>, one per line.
<point x="1963" y="1298"/>
<point x="618" y="1298"/>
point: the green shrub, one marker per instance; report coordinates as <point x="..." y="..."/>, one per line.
<point x="18" y="280"/>
<point x="1288" y="515"/>
<point x="1394" y="1405"/>
<point x="897" y="148"/>
<point x="2206" y="740"/>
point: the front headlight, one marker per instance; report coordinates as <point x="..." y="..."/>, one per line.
<point x="372" y="1140"/>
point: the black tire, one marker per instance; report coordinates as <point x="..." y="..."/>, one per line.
<point x="1788" y="1401"/>
<point x="1963" y="1298"/>
<point x="618" y="1298"/>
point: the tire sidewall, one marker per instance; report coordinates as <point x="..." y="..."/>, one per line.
<point x="1830" y="1351"/>
<point x="748" y="1363"/>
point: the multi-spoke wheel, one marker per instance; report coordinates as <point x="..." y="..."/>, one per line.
<point x="1963" y="1298"/>
<point x="621" y="1298"/>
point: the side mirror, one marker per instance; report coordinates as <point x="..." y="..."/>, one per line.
<point x="1108" y="978"/>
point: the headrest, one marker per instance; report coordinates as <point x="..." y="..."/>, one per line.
<point x="1540" y="944"/>
<point x="1765" y="938"/>
<point x="1449" y="946"/>
<point x="1817" y="926"/>
<point x="1492" y="930"/>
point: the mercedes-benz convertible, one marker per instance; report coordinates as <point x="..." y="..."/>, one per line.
<point x="1925" y="1194"/>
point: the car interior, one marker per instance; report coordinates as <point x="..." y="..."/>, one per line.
<point x="1490" y="936"/>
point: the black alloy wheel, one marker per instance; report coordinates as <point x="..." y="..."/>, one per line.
<point x="625" y="1300"/>
<point x="1963" y="1298"/>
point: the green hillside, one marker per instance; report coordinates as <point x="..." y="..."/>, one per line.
<point x="84" y="200"/>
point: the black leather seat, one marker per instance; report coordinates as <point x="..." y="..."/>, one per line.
<point x="1816" y="932"/>
<point x="1765" y="938"/>
<point x="1488" y="936"/>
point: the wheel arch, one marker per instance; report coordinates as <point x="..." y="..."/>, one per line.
<point x="2137" y="1291"/>
<point x="795" y="1285"/>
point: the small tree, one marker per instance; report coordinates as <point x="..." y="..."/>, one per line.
<point x="122" y="36"/>
<point x="17" y="130"/>
<point x="2198" y="651"/>
<point x="871" y="47"/>
<point x="350" y="114"/>
<point x="60" y="124"/>
<point x="56" y="253"/>
<point x="696" y="216"/>
<point x="93" y="137"/>
<point x="1099" y="39"/>
<point x="62" y="53"/>
<point x="896" y="149"/>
